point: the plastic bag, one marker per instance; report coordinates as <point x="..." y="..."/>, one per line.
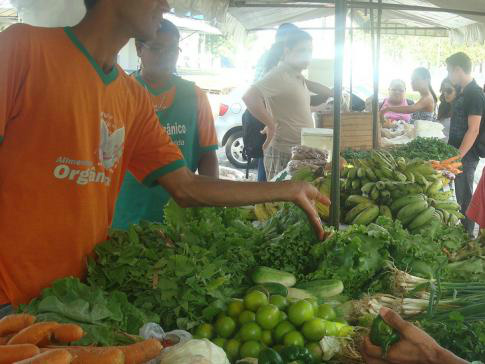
<point x="194" y="352"/>
<point x="152" y="330"/>
<point x="429" y="129"/>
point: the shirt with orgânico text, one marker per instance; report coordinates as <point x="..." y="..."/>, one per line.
<point x="69" y="132"/>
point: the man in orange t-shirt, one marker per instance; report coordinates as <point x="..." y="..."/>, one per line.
<point x="71" y="124"/>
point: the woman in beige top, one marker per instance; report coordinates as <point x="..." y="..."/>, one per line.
<point x="281" y="101"/>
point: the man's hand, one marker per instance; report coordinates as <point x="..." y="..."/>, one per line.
<point x="415" y="346"/>
<point x="305" y="195"/>
<point x="190" y="190"/>
<point x="270" y="132"/>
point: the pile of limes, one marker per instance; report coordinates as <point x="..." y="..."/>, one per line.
<point x="258" y="321"/>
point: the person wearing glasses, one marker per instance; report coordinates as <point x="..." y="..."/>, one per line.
<point x="397" y="97"/>
<point x="449" y="93"/>
<point x="183" y="110"/>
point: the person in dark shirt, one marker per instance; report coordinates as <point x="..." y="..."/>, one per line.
<point x="468" y="113"/>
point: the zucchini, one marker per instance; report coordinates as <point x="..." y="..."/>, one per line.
<point x="271" y="289"/>
<point x="297" y="294"/>
<point x="322" y="288"/>
<point x="262" y="275"/>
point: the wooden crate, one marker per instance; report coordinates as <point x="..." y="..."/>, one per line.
<point x="355" y="129"/>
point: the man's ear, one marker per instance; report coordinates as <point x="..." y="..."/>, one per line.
<point x="139" y="47"/>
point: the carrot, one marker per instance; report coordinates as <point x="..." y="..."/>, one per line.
<point x="141" y="352"/>
<point x="454" y="165"/>
<point x="450" y="160"/>
<point x="13" y="353"/>
<point x="109" y="356"/>
<point x="34" y="334"/>
<point x="50" y="357"/>
<point x="4" y="339"/>
<point x="138" y="353"/>
<point x="67" y="333"/>
<point x="14" y="323"/>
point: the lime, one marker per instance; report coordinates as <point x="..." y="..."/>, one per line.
<point x="232" y="349"/>
<point x="343" y="329"/>
<point x="315" y="350"/>
<point x="281" y="330"/>
<point x="267" y="338"/>
<point x="235" y="308"/>
<point x="204" y="331"/>
<point x="314" y="330"/>
<point x="250" y="331"/>
<point x="220" y="341"/>
<point x="326" y="312"/>
<point x="313" y="302"/>
<point x="268" y="316"/>
<point x="283" y="316"/>
<point x="225" y="327"/>
<point x="300" y="312"/>
<point x="250" y="349"/>
<point x="331" y="328"/>
<point x="246" y="316"/>
<point x="279" y="301"/>
<point x="255" y="299"/>
<point x="293" y="338"/>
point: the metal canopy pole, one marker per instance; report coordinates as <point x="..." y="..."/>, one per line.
<point x="340" y="20"/>
<point x="376" y="50"/>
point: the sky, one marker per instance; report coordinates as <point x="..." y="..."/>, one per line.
<point x="5" y="3"/>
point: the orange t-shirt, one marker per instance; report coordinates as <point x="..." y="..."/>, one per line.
<point x="68" y="133"/>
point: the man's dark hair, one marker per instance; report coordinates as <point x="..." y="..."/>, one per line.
<point x="90" y="3"/>
<point x="461" y="60"/>
<point x="168" y="27"/>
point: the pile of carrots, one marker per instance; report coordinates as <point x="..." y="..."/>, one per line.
<point x="23" y="341"/>
<point x="452" y="165"/>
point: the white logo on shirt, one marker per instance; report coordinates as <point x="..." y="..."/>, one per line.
<point x="111" y="145"/>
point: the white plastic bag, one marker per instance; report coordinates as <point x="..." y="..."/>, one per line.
<point x="194" y="352"/>
<point x="429" y="129"/>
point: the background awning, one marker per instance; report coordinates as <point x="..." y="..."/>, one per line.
<point x="236" y="16"/>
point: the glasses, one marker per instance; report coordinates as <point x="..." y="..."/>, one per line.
<point x="396" y="90"/>
<point x="162" y="50"/>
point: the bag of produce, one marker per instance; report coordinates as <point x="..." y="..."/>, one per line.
<point x="301" y="152"/>
<point x="194" y="352"/>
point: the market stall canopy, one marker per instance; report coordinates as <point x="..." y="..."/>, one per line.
<point x="235" y="16"/>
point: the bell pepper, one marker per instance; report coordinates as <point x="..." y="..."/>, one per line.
<point x="269" y="356"/>
<point x="383" y="335"/>
<point x="294" y="353"/>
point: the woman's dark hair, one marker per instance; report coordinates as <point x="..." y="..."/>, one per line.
<point x="90" y="3"/>
<point x="424" y="74"/>
<point x="275" y="55"/>
<point x="445" y="108"/>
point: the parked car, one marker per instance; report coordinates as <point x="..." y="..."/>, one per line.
<point x="229" y="127"/>
<point x="229" y="121"/>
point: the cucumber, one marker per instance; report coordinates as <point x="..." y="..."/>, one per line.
<point x="271" y="289"/>
<point x="404" y="201"/>
<point x="422" y="219"/>
<point x="262" y="275"/>
<point x="354" y="200"/>
<point x="409" y="212"/>
<point x="367" y="216"/>
<point x="323" y="288"/>
<point x="297" y="294"/>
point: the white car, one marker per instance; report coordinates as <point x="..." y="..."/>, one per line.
<point x="229" y="122"/>
<point x="229" y="127"/>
